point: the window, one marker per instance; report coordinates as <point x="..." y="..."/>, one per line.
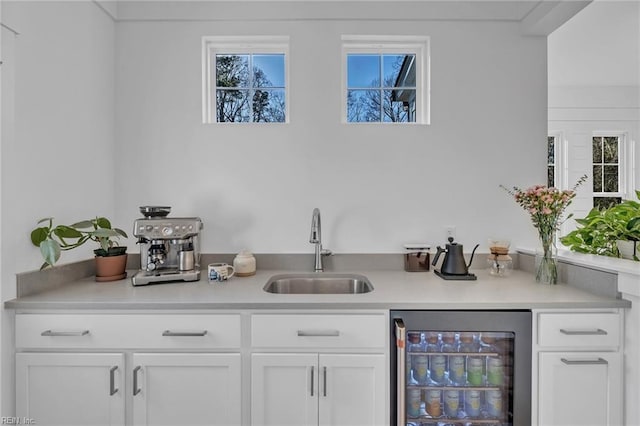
<point x="384" y="79"/>
<point x="245" y="79"/>
<point x="607" y="182"/>
<point x="551" y="161"/>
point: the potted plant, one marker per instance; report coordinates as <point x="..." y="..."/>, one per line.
<point x="111" y="258"/>
<point x="614" y="231"/>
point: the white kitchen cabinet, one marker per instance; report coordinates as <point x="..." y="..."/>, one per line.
<point x="186" y="388"/>
<point x="579" y="388"/>
<point x="284" y="389"/>
<point x="319" y="369"/>
<point x="352" y="389"/>
<point x="170" y="369"/>
<point x="578" y="359"/>
<point x="68" y="389"/>
<point x="318" y="389"/>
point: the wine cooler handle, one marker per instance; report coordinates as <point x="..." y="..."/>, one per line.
<point x="401" y="374"/>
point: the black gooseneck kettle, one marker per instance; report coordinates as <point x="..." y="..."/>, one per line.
<point x="453" y="263"/>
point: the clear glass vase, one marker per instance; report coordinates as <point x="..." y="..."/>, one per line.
<point x="547" y="261"/>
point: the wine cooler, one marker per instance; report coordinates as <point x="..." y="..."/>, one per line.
<point x="465" y="368"/>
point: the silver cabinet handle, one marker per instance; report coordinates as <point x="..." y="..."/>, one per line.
<point x="598" y="361"/>
<point x="401" y="374"/>
<point x="136" y="389"/>
<point x="65" y="333"/>
<point x="312" y="378"/>
<point x="324" y="380"/>
<point x="596" y="332"/>
<point x="318" y="333"/>
<point x="112" y="381"/>
<point x="184" y="333"/>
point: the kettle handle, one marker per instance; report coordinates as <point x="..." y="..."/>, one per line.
<point x="440" y="250"/>
<point x="472" y="253"/>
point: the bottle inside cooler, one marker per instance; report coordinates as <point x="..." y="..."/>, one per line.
<point x="459" y="378"/>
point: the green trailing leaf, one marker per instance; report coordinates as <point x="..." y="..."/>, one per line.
<point x="104" y="233"/>
<point x="50" y="250"/>
<point x="103" y="222"/>
<point x="83" y="224"/>
<point x="38" y="235"/>
<point x="64" y="231"/>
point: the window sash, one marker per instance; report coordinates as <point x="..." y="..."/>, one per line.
<point x="239" y="45"/>
<point x="382" y="45"/>
<point x="619" y="165"/>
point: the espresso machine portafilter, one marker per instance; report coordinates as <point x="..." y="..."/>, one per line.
<point x="169" y="247"/>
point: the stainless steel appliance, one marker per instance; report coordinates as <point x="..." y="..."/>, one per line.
<point x="169" y="247"/>
<point x="460" y="368"/>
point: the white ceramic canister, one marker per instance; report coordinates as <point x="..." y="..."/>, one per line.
<point x="244" y="264"/>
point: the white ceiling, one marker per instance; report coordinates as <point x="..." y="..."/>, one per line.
<point x="537" y="17"/>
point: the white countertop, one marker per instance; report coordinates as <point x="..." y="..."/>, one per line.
<point x="392" y="290"/>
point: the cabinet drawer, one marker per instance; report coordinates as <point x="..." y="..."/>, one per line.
<point x="579" y="330"/>
<point x="318" y="331"/>
<point x="121" y="331"/>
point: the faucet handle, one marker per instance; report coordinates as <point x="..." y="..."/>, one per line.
<point x="326" y="252"/>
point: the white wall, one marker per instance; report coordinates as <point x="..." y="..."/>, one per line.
<point x="594" y="85"/>
<point x="60" y="162"/>
<point x="377" y="186"/>
<point x="57" y="148"/>
<point x="594" y="79"/>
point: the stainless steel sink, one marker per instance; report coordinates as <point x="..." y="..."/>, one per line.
<point x="318" y="283"/>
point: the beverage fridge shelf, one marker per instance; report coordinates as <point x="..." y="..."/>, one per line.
<point x="456" y="388"/>
<point x="473" y="354"/>
<point x="411" y="421"/>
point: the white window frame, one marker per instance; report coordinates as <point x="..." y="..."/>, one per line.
<point x="625" y="165"/>
<point x="212" y="45"/>
<point x="561" y="164"/>
<point x="380" y="45"/>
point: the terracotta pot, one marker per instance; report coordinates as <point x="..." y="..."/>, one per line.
<point x="111" y="268"/>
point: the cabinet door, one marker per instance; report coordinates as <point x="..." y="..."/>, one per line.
<point x="352" y="390"/>
<point x="70" y="388"/>
<point x="579" y="388"/>
<point x="186" y="388"/>
<point x="284" y="389"/>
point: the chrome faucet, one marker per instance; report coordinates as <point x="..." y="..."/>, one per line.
<point x="316" y="238"/>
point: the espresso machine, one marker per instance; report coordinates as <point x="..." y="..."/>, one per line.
<point x="169" y="247"/>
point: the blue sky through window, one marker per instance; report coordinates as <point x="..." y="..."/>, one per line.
<point x="273" y="67"/>
<point x="381" y="87"/>
<point x="363" y="70"/>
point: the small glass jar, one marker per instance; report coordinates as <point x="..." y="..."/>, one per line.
<point x="499" y="262"/>
<point x="500" y="265"/>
